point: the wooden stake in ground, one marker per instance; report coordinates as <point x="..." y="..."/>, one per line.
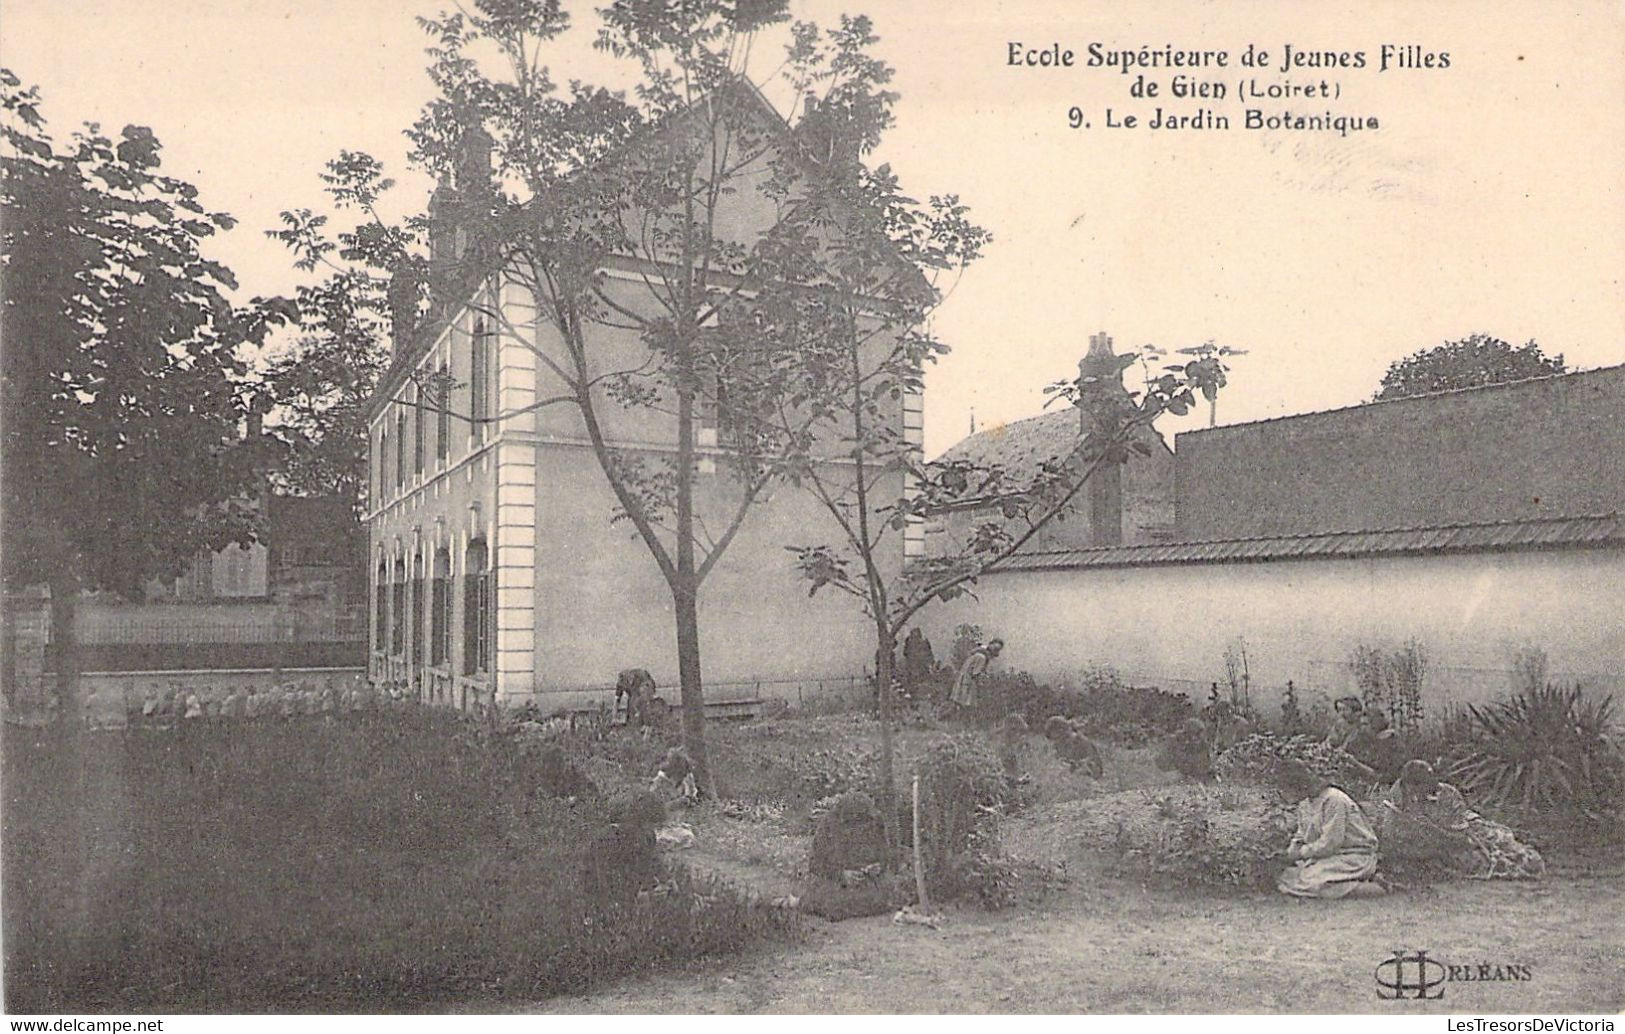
<point x="919" y="865"/>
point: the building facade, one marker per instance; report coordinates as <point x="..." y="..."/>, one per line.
<point x="498" y="576"/>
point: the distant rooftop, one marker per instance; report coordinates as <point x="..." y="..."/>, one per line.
<point x="1022" y="446"/>
<point x="1409" y="400"/>
<point x="1559" y="532"/>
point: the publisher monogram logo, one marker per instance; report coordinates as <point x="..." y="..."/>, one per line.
<point x="1419" y="976"/>
<point x="1410" y="976"/>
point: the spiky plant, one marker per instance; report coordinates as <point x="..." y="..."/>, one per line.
<point x="1547" y="749"/>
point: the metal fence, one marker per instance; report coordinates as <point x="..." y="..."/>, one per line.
<point x="347" y="624"/>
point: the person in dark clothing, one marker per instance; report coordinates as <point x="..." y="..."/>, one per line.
<point x="638" y="687"/>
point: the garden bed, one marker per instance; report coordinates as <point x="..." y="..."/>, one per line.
<point x="396" y="861"/>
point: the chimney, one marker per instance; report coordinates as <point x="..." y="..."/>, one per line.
<point x="443" y="251"/>
<point x="1100" y="383"/>
<point x="402" y="297"/>
<point x="474" y="169"/>
<point x="1100" y="363"/>
<point x="453" y="213"/>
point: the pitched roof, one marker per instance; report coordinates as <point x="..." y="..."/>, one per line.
<point x="1553" y="533"/>
<point x="1019" y="448"/>
<point x="428" y="331"/>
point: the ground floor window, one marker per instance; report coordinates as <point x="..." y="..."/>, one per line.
<point x="397" y="624"/>
<point x="478" y="589"/>
<point x="440" y="612"/>
<point x="380" y="622"/>
<point x="417" y="610"/>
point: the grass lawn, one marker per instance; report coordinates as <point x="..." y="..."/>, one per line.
<point x="1111" y="947"/>
<point x="1105" y="942"/>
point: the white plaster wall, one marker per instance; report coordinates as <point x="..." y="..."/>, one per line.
<point x="1301" y="619"/>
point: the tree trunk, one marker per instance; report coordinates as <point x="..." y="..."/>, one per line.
<point x="888" y="774"/>
<point x="692" y="689"/>
<point x="685" y="585"/>
<point x="64" y="639"/>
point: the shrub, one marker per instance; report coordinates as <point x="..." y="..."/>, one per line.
<point x="1547" y="749"/>
<point x="1213" y="842"/>
<point x="1011" y="742"/>
<point x="825" y="897"/>
<point x="848" y="835"/>
<point x="558" y="776"/>
<point x="1198" y="835"/>
<point x="622" y="861"/>
<point x="1391" y="682"/>
<point x="919" y="662"/>
<point x="1129" y="716"/>
<point x="829" y="771"/>
<point x="962" y="790"/>
<point x="1292" y="720"/>
<point x="388" y="860"/>
<point x="684" y="917"/>
<point x="587" y="745"/>
<point x="1238" y="676"/>
<point x="1073" y="747"/>
<point x="988" y="878"/>
<point x="1445" y="739"/>
<point x="1188" y="751"/>
<point x="1255" y="759"/>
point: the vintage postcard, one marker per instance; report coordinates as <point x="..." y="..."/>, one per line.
<point x="813" y="507"/>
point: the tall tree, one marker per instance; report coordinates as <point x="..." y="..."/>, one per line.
<point x="887" y="487"/>
<point x="126" y="401"/>
<point x="1472" y="362"/>
<point x="324" y="378"/>
<point x="687" y="193"/>
<point x="885" y="262"/>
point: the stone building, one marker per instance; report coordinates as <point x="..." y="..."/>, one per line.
<point x="1128" y="504"/>
<point x="498" y="576"/>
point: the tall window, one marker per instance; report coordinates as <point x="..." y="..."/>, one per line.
<point x="477" y="617"/>
<point x="442" y="419"/>
<point x="397" y="623"/>
<point x="479" y="384"/>
<point x="383" y="460"/>
<point x="400" y="446"/>
<point x="380" y="631"/>
<point x="418" y="431"/>
<point x="417" y="610"/>
<point x="440" y="614"/>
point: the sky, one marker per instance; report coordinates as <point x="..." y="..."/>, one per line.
<point x="1491" y="198"/>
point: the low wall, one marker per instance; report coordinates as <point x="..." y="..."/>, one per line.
<point x="1300" y="620"/>
<point x="722" y="698"/>
<point x="135" y="684"/>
